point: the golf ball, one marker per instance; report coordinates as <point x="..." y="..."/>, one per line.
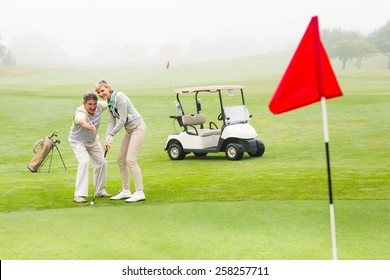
<point x="92" y="203"/>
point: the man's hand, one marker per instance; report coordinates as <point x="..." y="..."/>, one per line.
<point x="93" y="128"/>
<point x="88" y="126"/>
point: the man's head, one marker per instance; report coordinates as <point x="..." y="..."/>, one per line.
<point x="90" y="102"/>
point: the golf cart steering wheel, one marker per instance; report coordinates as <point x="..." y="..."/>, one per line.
<point x="220" y="117"/>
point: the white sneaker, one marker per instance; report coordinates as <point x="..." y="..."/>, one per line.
<point x="137" y="196"/>
<point x="121" y="195"/>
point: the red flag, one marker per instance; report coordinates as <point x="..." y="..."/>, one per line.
<point x="308" y="77"/>
<point x="167" y="64"/>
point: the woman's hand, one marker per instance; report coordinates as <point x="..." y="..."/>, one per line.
<point x="108" y="142"/>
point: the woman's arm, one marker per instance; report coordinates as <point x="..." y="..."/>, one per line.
<point x="121" y="105"/>
<point x="111" y="123"/>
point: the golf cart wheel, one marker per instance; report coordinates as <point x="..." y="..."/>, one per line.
<point x="37" y="146"/>
<point x="259" y="149"/>
<point x="175" y="152"/>
<point x="234" y="151"/>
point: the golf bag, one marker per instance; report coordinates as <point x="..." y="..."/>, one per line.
<point x="41" y="150"/>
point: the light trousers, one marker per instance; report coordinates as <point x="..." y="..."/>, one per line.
<point x="127" y="157"/>
<point x="86" y="152"/>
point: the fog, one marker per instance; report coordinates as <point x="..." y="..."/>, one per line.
<point x="146" y="31"/>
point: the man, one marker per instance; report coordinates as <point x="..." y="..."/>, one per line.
<point x="84" y="140"/>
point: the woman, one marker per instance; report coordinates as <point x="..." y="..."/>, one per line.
<point x="122" y="113"/>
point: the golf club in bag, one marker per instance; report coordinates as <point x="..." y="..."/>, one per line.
<point x="41" y="150"/>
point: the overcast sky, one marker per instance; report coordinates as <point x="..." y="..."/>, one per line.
<point x="178" y="28"/>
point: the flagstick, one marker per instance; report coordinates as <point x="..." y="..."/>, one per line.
<point x="168" y="67"/>
<point x="320" y="75"/>
<point x="170" y="80"/>
<point x="331" y="207"/>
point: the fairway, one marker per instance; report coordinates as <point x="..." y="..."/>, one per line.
<point x="272" y="207"/>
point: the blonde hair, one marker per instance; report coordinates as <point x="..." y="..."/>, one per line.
<point x="103" y="83"/>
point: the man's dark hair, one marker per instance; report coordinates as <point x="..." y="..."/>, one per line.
<point x="90" y="96"/>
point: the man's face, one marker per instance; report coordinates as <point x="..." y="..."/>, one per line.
<point x="90" y="106"/>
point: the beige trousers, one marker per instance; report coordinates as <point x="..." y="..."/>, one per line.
<point x="127" y="157"/>
<point x="86" y="152"/>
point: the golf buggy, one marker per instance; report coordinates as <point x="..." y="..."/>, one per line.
<point x="234" y="135"/>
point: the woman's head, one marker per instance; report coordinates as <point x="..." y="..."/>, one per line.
<point x="103" y="89"/>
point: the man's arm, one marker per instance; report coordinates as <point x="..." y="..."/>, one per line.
<point x="80" y="119"/>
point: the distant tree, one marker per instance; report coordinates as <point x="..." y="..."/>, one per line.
<point x="2" y="50"/>
<point x="6" y="57"/>
<point x="348" y="46"/>
<point x="330" y="37"/>
<point x="381" y="39"/>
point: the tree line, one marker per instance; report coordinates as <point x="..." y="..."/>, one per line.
<point x="352" y="47"/>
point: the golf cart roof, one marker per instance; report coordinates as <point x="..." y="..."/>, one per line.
<point x="207" y="88"/>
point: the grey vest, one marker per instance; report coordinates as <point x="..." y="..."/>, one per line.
<point x="77" y="132"/>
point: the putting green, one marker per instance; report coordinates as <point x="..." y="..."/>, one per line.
<point x="273" y="230"/>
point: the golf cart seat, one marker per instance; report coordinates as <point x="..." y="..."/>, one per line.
<point x="198" y="119"/>
<point x="193" y="119"/>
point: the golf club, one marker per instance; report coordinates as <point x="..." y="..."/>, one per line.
<point x="94" y="193"/>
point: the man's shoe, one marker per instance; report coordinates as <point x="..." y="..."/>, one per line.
<point x="137" y="196"/>
<point x="79" y="199"/>
<point x="121" y="195"/>
<point x="104" y="195"/>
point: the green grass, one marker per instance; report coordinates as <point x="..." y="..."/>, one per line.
<point x="273" y="207"/>
<point x="205" y="230"/>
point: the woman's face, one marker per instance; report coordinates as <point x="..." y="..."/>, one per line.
<point x="104" y="92"/>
